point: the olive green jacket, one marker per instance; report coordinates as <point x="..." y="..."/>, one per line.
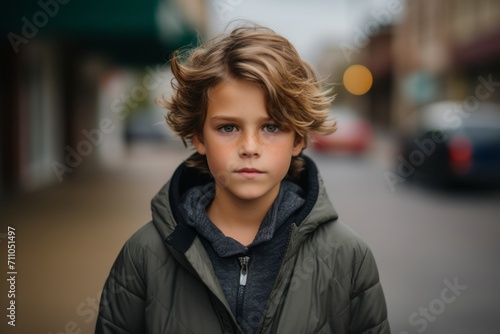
<point x="163" y="280"/>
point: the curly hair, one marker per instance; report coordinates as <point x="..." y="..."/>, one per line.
<point x="294" y="97"/>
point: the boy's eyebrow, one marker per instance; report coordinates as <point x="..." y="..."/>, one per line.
<point x="233" y="119"/>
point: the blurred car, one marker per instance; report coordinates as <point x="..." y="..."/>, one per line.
<point x="146" y="125"/>
<point x="454" y="144"/>
<point x="354" y="134"/>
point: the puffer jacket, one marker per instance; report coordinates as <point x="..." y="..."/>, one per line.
<point x="163" y="280"/>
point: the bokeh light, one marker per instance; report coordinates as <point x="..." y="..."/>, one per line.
<point x="357" y="79"/>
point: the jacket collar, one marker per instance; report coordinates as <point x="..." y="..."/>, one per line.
<point x="169" y="219"/>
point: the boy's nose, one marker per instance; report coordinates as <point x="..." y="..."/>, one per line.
<point x="249" y="146"/>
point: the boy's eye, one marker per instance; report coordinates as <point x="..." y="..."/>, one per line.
<point x="227" y="128"/>
<point x="271" y="128"/>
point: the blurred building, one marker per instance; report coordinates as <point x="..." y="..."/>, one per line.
<point x="377" y="56"/>
<point x="444" y="50"/>
<point x="374" y="52"/>
<point x="422" y="52"/>
<point x="54" y="61"/>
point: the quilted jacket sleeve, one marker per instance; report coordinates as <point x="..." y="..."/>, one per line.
<point x="368" y="307"/>
<point x="122" y="302"/>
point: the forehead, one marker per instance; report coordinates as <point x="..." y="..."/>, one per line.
<point x="236" y="97"/>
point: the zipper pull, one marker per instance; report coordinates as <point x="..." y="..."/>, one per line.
<point x="244" y="269"/>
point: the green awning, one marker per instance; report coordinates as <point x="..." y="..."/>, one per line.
<point x="130" y="31"/>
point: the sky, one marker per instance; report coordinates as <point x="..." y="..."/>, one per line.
<point x="309" y="25"/>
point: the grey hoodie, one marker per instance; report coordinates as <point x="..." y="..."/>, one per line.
<point x="246" y="273"/>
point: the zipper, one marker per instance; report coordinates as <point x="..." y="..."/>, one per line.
<point x="243" y="282"/>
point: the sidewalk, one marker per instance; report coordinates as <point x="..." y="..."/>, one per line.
<point x="68" y="236"/>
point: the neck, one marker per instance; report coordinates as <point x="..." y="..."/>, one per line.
<point x="237" y="218"/>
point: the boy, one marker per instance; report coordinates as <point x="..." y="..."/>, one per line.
<point x="244" y="238"/>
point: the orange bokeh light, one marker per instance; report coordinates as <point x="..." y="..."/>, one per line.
<point x="357" y="79"/>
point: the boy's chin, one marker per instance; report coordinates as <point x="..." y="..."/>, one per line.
<point x="252" y="192"/>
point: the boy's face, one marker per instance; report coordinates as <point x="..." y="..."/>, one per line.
<point x="247" y="153"/>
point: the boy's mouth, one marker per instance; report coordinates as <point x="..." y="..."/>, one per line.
<point x="249" y="170"/>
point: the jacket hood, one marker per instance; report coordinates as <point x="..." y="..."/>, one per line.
<point x="169" y="219"/>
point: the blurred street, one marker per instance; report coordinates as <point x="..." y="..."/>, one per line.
<point x="84" y="146"/>
<point x="68" y="237"/>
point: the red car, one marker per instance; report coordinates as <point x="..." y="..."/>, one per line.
<point x="354" y="134"/>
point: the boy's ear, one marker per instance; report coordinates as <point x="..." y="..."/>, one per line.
<point x="199" y="145"/>
<point x="298" y="146"/>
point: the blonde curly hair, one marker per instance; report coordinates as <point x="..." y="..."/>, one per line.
<point x="294" y="96"/>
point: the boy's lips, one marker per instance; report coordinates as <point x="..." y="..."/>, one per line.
<point x="249" y="173"/>
<point x="249" y="170"/>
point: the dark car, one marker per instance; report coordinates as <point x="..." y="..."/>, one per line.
<point x="454" y="144"/>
